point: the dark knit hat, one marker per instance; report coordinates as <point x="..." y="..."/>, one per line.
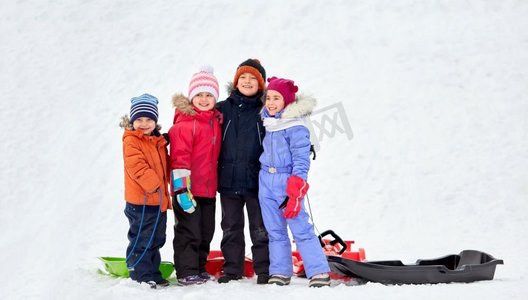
<point x="145" y="105"/>
<point x="285" y="87"/>
<point x="252" y="66"/>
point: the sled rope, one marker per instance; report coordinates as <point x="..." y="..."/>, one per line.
<point x="311" y="215"/>
<point x="139" y="232"/>
<point x="140" y="226"/>
<point x="313" y="222"/>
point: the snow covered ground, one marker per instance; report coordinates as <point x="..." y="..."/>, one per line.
<point x="435" y="93"/>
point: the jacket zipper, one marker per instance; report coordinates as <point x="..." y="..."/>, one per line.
<point x="212" y="154"/>
<point x="163" y="169"/>
<point x="225" y="131"/>
<point x="271" y="150"/>
<point x="258" y="131"/>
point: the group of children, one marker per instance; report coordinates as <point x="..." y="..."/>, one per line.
<point x="253" y="148"/>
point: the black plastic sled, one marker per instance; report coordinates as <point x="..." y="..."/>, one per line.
<point x="468" y="266"/>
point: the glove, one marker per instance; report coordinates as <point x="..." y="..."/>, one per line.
<point x="296" y="189"/>
<point x="181" y="184"/>
<point x="167" y="138"/>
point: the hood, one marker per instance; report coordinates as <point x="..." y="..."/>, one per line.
<point x="303" y="106"/>
<point x="183" y="104"/>
<point x="125" y="123"/>
<point x="230" y="87"/>
<point x="183" y="107"/>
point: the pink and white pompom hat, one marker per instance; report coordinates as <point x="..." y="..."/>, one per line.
<point x="204" y="81"/>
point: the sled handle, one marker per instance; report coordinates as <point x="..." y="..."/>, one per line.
<point x="337" y="240"/>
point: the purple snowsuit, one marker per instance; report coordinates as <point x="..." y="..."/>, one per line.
<point x="286" y="153"/>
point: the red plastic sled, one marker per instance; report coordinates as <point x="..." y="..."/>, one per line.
<point x="331" y="247"/>
<point x="215" y="264"/>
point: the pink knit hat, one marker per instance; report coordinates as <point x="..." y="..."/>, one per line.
<point x="204" y="81"/>
<point x="285" y="87"/>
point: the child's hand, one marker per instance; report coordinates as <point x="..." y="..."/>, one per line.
<point x="185" y="200"/>
<point x="181" y="184"/>
<point x="296" y="189"/>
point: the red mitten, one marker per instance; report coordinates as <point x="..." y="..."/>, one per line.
<point x="296" y="189"/>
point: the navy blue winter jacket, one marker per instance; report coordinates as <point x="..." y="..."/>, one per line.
<point x="242" y="136"/>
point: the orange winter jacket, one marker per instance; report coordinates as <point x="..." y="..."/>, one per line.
<point x="146" y="169"/>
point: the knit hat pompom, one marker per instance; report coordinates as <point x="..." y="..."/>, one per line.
<point x="252" y="66"/>
<point x="204" y="81"/>
<point x="285" y="87"/>
<point x="206" y="68"/>
<point x="145" y="105"/>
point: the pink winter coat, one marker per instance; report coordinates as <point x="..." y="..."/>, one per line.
<point x="195" y="140"/>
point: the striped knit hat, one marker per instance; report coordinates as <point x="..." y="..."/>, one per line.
<point x="145" y="105"/>
<point x="203" y="81"/>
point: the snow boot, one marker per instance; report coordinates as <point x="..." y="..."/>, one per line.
<point x="228" y="277"/>
<point x="279" y="280"/>
<point x="162" y="283"/>
<point x="320" y="280"/>
<point x="205" y="276"/>
<point x="191" y="279"/>
<point x="263" y="278"/>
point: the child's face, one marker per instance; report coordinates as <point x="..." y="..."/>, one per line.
<point x="274" y="102"/>
<point x="247" y="84"/>
<point x="147" y="125"/>
<point x="204" y="101"/>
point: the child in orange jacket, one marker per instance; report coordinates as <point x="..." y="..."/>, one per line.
<point x="146" y="190"/>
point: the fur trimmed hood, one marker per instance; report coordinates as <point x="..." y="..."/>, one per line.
<point x="183" y="108"/>
<point x="230" y="87"/>
<point x="183" y="104"/>
<point x="125" y="124"/>
<point x="303" y="106"/>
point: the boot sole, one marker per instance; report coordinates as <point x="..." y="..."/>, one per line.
<point x="317" y="283"/>
<point x="279" y="281"/>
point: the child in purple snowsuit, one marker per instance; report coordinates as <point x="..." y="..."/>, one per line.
<point x="284" y="169"/>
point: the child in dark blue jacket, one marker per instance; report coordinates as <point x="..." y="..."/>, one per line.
<point x="284" y="169"/>
<point x="238" y="168"/>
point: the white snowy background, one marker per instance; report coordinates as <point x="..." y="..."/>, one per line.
<point x="436" y="93"/>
